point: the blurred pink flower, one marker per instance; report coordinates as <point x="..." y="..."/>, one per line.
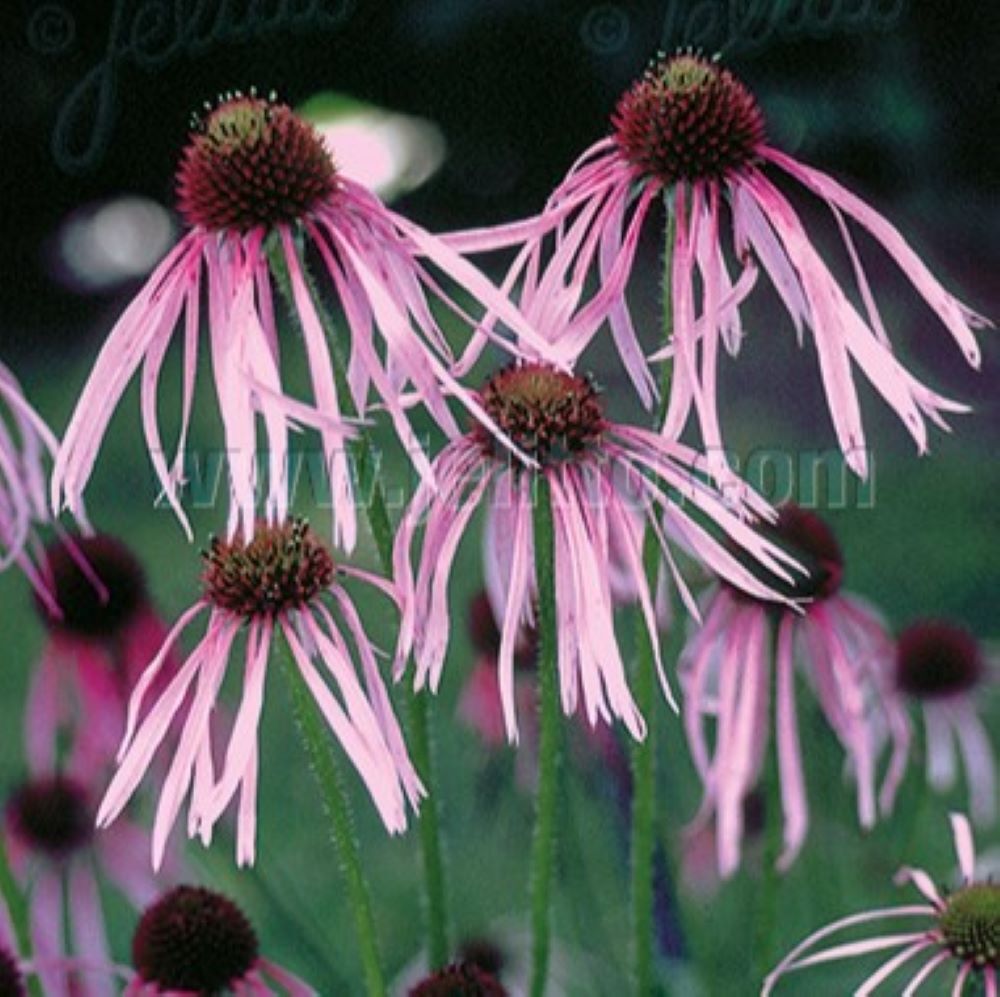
<point x="941" y="666"/>
<point x="196" y="941"/>
<point x="104" y="634"/>
<point x="699" y="866"/>
<point x="964" y="932"/>
<point x="275" y="583"/>
<point x="258" y="187"/>
<point x="479" y="704"/>
<point x="601" y="474"/>
<point x="49" y="829"/>
<point x="690" y="131"/>
<point x="25" y="443"/>
<point x="841" y="647"/>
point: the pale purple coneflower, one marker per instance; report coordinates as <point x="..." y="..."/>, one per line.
<point x="104" y="634"/>
<point x="258" y="187"/>
<point x="690" y="132"/>
<point x="962" y="936"/>
<point x="278" y="583"/>
<point x="941" y="666"/>
<point x="841" y="648"/>
<point x="49" y="828"/>
<point x="600" y="475"/>
<point x="25" y="443"/>
<point x="196" y="941"/>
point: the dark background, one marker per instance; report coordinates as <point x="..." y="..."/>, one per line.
<point x="901" y="97"/>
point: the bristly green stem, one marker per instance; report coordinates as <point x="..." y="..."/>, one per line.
<point x="766" y="914"/>
<point x="316" y="742"/>
<point x="643" y="754"/>
<point x="417" y="705"/>
<point x="17" y="909"/>
<point x="543" y="845"/>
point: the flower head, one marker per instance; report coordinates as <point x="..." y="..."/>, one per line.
<point x="551" y="415"/>
<point x="686" y="119"/>
<point x="193" y="940"/>
<point x="260" y="190"/>
<point x="282" y="580"/>
<point x="252" y="162"/>
<point x="282" y="568"/>
<point x="842" y="648"/>
<point x="98" y="584"/>
<point x="936" y="659"/>
<point x="689" y="132"/>
<point x="960" y="928"/>
<point x="460" y="979"/>
<point x="607" y="481"/>
<point x="52" y="816"/>
<point x="941" y="666"/>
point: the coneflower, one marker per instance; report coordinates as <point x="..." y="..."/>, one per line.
<point x="959" y="930"/>
<point x="257" y="186"/>
<point x="607" y="480"/>
<point x="842" y="650"/>
<point x="941" y="666"/>
<point x="689" y="132"/>
<point x="283" y="581"/>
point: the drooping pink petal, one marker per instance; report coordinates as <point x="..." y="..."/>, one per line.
<point x="521" y="541"/>
<point x="959" y="319"/>
<point x="922" y="882"/>
<point x="965" y="850"/>
<point x="794" y="802"/>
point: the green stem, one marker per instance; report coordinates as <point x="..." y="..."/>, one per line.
<point x="643" y="754"/>
<point x="418" y="711"/>
<point x="766" y="914"/>
<point x="324" y="765"/>
<point x="543" y="846"/>
<point x="417" y="705"/>
<point x="17" y="908"/>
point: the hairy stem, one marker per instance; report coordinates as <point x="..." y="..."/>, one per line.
<point x="643" y="757"/>
<point x="543" y="845"/>
<point x="316" y="743"/>
<point x="417" y="704"/>
<point x="643" y="754"/>
<point x="766" y="914"/>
